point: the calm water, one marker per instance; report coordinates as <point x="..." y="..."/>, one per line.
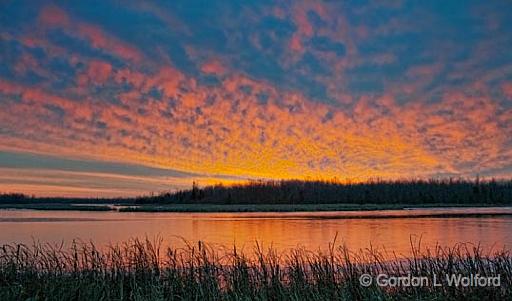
<point x="283" y="231"/>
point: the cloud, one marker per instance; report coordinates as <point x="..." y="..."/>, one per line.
<point x="507" y="90"/>
<point x="98" y="72"/>
<point x="49" y="175"/>
<point x="219" y="131"/>
<point x="213" y="67"/>
<point x="351" y="98"/>
<point x="55" y="17"/>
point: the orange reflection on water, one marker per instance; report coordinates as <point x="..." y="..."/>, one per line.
<point x="282" y="231"/>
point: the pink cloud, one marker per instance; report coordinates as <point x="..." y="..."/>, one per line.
<point x="213" y="67"/>
<point x="507" y="90"/>
<point x="101" y="40"/>
<point x="305" y="29"/>
<point x="52" y="16"/>
<point x="98" y="72"/>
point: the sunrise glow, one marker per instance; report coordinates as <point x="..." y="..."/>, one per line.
<point x="132" y="98"/>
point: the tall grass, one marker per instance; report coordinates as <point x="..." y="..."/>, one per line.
<point x="144" y="270"/>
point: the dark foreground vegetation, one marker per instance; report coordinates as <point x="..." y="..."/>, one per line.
<point x="444" y="191"/>
<point x="143" y="270"/>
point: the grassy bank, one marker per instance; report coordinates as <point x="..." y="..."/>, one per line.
<point x="143" y="270"/>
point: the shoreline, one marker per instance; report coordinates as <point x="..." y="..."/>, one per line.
<point x="290" y="208"/>
<point x="272" y="208"/>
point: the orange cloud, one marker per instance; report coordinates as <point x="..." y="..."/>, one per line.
<point x="288" y="137"/>
<point x="224" y="130"/>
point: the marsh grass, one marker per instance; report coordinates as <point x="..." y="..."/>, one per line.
<point x="144" y="270"/>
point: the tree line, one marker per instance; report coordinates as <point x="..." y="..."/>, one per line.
<point x="431" y="191"/>
<point x="449" y="191"/>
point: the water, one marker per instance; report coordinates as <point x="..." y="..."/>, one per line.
<point x="282" y="231"/>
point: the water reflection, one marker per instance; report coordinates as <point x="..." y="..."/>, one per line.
<point x="279" y="230"/>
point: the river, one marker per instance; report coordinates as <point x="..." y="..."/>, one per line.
<point x="392" y="230"/>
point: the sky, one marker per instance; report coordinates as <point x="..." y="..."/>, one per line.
<point x="122" y="98"/>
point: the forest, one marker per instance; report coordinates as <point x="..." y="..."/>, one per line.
<point x="441" y="191"/>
